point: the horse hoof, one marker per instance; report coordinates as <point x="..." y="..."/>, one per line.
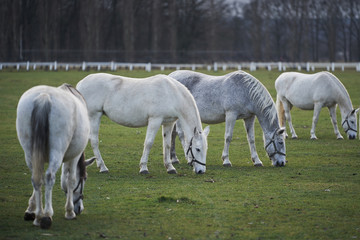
<point x="341" y="138"/>
<point x="295" y="137"/>
<point x="175" y="161"/>
<point x="104" y="170"/>
<point x="258" y="165"/>
<point x="227" y="165"/>
<point x="29" y="216"/>
<point x="173" y="171"/>
<point x="144" y="172"/>
<point x="45" y="223"/>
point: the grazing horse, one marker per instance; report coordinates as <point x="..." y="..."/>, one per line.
<point x="52" y="126"/>
<point x="151" y="102"/>
<point x="313" y="92"/>
<point x="236" y="95"/>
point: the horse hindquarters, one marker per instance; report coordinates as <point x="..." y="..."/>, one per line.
<point x="39" y="124"/>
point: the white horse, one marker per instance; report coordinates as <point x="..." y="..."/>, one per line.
<point x="313" y="92"/>
<point x="52" y="126"/>
<point x="237" y="95"/>
<point x="151" y="102"/>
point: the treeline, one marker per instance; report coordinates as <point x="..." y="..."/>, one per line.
<point x="180" y="30"/>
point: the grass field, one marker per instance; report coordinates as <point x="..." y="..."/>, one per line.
<point x="315" y="196"/>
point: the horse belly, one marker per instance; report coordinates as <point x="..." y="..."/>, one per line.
<point x="211" y="117"/>
<point x="128" y="118"/>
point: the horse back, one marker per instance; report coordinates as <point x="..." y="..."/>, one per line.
<point x="302" y="90"/>
<point x="132" y="101"/>
<point x="52" y="115"/>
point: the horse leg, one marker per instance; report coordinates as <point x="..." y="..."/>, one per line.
<point x="332" y="111"/>
<point x="317" y="109"/>
<point x="166" y="131"/>
<point x="152" y="128"/>
<point x="230" y="120"/>
<point x="38" y="201"/>
<point x="287" y="108"/>
<point x="94" y="140"/>
<point x="173" y="157"/>
<point x="30" y="211"/>
<point x="181" y="135"/>
<point x="54" y="165"/>
<point x="249" y="125"/>
<point x="70" y="169"/>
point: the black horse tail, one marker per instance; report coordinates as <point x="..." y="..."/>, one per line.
<point x="40" y="136"/>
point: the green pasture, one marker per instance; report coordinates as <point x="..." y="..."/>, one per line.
<point x="315" y="196"/>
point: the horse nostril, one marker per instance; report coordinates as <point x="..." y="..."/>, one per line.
<point x="351" y="137"/>
<point x="280" y="164"/>
<point x="78" y="210"/>
<point x="200" y="172"/>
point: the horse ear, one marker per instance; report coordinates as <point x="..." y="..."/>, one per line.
<point x="357" y="110"/>
<point x="206" y="131"/>
<point x="90" y="161"/>
<point x="196" y="132"/>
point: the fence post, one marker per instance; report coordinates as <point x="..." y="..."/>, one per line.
<point x="215" y="66"/>
<point x="193" y="67"/>
<point x="332" y="67"/>
<point x="148" y="67"/>
<point x="84" y="66"/>
<point x="67" y="67"/>
<point x="280" y="66"/>
<point x="252" y="66"/>
<point x="27" y="66"/>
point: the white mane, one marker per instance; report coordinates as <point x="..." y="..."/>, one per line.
<point x="260" y="96"/>
<point x="340" y="86"/>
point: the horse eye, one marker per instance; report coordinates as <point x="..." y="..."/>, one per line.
<point x="281" y="143"/>
<point x="352" y="122"/>
<point x="198" y="149"/>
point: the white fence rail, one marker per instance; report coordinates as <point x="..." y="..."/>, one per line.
<point x="113" y="66"/>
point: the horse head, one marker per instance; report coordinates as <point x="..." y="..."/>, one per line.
<point x="197" y="150"/>
<point x="350" y="124"/>
<point x="80" y="179"/>
<point x="275" y="147"/>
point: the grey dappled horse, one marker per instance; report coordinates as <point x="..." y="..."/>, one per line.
<point x="236" y="95"/>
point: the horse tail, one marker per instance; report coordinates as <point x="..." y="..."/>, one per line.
<point x="40" y="135"/>
<point x="281" y="111"/>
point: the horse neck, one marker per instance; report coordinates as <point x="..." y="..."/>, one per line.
<point x="189" y="120"/>
<point x="345" y="105"/>
<point x="267" y="124"/>
<point x="343" y="98"/>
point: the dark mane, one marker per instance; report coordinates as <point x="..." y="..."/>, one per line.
<point x="73" y="90"/>
<point x="82" y="166"/>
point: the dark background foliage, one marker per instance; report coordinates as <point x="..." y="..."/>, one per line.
<point x="169" y="31"/>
